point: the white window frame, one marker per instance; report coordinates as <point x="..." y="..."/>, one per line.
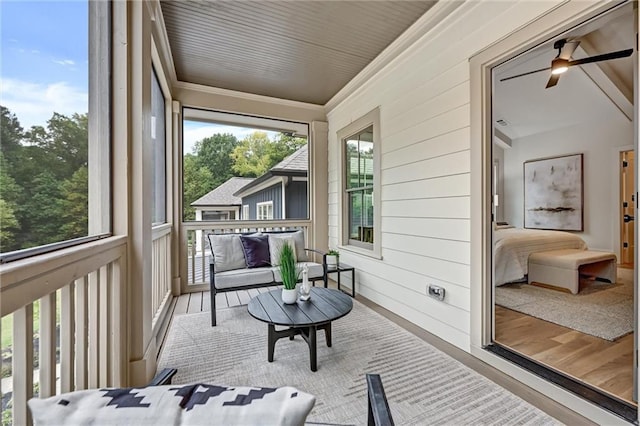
<point x="372" y="118"/>
<point x="260" y="215"/>
<point x="245" y="212"/>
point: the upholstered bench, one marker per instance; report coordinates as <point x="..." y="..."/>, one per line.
<point x="562" y="268"/>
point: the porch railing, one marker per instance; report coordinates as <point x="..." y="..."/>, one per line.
<point x="198" y="253"/>
<point x="72" y="304"/>
<point x="161" y="273"/>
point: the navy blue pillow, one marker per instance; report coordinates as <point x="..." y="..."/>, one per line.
<point x="256" y="250"/>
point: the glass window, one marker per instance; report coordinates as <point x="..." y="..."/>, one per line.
<point x="359" y="186"/>
<point x="265" y="210"/>
<point x="245" y="212"/>
<point x="158" y="141"/>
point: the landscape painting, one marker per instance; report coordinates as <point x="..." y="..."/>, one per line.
<point x="553" y="190"/>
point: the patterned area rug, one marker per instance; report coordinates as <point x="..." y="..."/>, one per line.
<point x="423" y="385"/>
<point x="600" y="309"/>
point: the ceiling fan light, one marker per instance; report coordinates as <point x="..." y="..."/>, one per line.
<point x="559" y="65"/>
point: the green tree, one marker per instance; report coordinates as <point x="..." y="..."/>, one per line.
<point x="256" y="154"/>
<point x="74" y="205"/>
<point x="11" y="134"/>
<point x="8" y="227"/>
<point x="214" y="154"/>
<point x="197" y="181"/>
<point x="40" y="213"/>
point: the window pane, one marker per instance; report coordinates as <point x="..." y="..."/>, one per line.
<point x="229" y="168"/>
<point x="366" y="163"/>
<point x="353" y="171"/>
<point x="367" y="216"/>
<point x="158" y="140"/>
<point x="355" y="215"/>
<point x="44" y="123"/>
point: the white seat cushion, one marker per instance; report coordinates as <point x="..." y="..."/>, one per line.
<point x="315" y="271"/>
<point x="242" y="277"/>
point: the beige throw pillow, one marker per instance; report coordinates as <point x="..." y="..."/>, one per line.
<point x="276" y="242"/>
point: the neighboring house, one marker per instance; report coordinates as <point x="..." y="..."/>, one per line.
<point x="280" y="193"/>
<point x="219" y="204"/>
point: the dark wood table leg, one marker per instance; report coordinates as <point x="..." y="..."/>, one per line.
<point x="327" y="334"/>
<point x="353" y="283"/>
<point x="313" y="349"/>
<point x="271" y="342"/>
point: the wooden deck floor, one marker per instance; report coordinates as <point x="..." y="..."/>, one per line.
<point x="192" y="303"/>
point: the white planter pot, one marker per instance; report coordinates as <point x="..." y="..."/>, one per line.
<point x="289" y="296"/>
<point x="332" y="260"/>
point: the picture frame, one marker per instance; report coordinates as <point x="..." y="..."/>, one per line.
<point x="554" y="193"/>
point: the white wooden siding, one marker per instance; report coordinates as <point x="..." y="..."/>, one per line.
<point x="424" y="99"/>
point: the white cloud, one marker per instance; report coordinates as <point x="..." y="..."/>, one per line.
<point x="34" y="103"/>
<point x="192" y="134"/>
<point x="64" y="62"/>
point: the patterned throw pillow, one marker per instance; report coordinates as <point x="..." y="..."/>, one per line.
<point x="194" y="404"/>
<point x="256" y="250"/>
<point x="276" y="242"/>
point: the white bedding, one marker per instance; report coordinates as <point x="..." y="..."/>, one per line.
<point x="513" y="246"/>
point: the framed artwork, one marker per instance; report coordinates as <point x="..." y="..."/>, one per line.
<point x="553" y="193"/>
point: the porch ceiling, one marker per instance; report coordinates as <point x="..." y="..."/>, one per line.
<point x="298" y="50"/>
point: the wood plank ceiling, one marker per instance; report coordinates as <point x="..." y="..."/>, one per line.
<point x="298" y="50"/>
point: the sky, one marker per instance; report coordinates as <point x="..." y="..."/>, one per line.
<point x="43" y="59"/>
<point x="44" y="65"/>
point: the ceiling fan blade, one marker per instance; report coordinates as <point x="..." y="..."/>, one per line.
<point x="526" y="73"/>
<point x="553" y="80"/>
<point x="603" y="57"/>
<point x="568" y="49"/>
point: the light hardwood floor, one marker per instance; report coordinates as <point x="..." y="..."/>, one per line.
<point x="598" y="362"/>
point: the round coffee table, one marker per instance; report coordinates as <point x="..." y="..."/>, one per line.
<point x="304" y="318"/>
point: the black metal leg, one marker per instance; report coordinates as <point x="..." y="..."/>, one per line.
<point x="353" y="283"/>
<point x="271" y="342"/>
<point x="313" y="349"/>
<point x="213" y="306"/>
<point x="327" y="334"/>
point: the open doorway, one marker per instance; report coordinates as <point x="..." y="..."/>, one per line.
<point x="563" y="290"/>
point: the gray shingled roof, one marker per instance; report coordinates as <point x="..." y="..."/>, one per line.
<point x="299" y="160"/>
<point x="223" y="194"/>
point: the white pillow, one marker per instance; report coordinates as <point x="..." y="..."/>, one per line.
<point x="301" y="253"/>
<point x="195" y="404"/>
<point x="276" y="242"/>
<point x="227" y="252"/>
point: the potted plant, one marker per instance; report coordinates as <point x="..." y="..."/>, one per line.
<point x="332" y="258"/>
<point x="289" y="274"/>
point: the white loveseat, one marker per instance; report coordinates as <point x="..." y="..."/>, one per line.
<point x="239" y="262"/>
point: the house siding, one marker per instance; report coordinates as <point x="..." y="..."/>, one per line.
<point x="296" y="204"/>
<point x="272" y="193"/>
<point x="424" y="101"/>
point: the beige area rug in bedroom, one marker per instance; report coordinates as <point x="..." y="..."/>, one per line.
<point x="600" y="309"/>
<point x="423" y="385"/>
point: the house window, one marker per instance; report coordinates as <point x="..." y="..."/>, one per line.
<point x="265" y="210"/>
<point x="360" y="186"/>
<point x="245" y="212"/>
<point x="158" y="141"/>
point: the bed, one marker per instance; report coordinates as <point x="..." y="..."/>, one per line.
<point x="513" y="246"/>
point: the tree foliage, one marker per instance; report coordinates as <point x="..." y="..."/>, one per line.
<point x="256" y="154"/>
<point x="214" y="154"/>
<point x="43" y="181"/>
<point x="197" y="181"/>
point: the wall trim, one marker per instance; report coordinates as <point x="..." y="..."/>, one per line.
<point x="248" y="96"/>
<point x="401" y="46"/>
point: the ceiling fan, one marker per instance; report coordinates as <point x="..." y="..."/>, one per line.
<point x="562" y="61"/>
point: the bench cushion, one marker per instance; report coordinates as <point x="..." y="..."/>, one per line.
<point x="243" y="277"/>
<point x="315" y="271"/>
<point x="570" y="258"/>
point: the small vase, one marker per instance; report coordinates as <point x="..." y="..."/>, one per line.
<point x="332" y="260"/>
<point x="289" y="296"/>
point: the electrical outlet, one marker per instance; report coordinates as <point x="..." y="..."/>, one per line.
<point x="436" y="292"/>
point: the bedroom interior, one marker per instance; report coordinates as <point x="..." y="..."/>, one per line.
<point x="563" y="173"/>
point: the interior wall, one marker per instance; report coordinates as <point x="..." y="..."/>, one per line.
<point x="598" y="141"/>
<point x="424" y="98"/>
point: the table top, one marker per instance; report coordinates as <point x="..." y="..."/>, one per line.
<point x="339" y="267"/>
<point x="325" y="305"/>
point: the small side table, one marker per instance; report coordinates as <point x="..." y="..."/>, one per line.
<point x="339" y="269"/>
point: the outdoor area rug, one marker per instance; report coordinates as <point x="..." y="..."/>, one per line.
<point x="600" y="309"/>
<point x="423" y="385"/>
